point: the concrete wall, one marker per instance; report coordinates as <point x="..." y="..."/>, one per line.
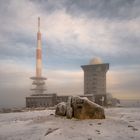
<point x="62" y="99"/>
<point x="44" y="100"/>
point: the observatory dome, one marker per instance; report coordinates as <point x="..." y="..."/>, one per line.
<point x="95" y="61"/>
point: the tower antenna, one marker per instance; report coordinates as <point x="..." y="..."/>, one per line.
<point x="38" y="23"/>
<point x="38" y="80"/>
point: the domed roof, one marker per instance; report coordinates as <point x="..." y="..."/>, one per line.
<point x="96" y="60"/>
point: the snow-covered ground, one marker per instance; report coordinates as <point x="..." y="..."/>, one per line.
<point x="120" y="124"/>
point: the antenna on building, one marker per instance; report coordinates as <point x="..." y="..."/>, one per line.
<point x="38" y="23"/>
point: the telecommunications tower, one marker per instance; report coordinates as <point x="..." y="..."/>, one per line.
<point x="39" y="80"/>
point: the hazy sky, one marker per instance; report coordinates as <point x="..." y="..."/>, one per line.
<point x="73" y="32"/>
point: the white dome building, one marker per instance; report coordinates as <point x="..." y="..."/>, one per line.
<point x="95" y="61"/>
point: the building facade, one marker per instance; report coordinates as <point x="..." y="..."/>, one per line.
<point x="95" y="81"/>
<point x="48" y="100"/>
<point x="41" y="100"/>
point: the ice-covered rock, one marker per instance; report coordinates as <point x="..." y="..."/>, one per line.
<point x="86" y="109"/>
<point x="80" y="108"/>
<point x="61" y="109"/>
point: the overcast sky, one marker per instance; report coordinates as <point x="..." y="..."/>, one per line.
<point x="73" y="32"/>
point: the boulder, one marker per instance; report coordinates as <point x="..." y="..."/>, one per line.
<point x="80" y="108"/>
<point x="61" y="109"/>
<point x="86" y="109"/>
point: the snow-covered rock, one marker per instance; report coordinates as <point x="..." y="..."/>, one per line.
<point x="61" y="109"/>
<point x="86" y="109"/>
<point x="80" y="108"/>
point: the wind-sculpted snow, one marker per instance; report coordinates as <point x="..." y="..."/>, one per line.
<point x="120" y="123"/>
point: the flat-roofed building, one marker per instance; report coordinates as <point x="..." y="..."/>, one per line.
<point x="95" y="80"/>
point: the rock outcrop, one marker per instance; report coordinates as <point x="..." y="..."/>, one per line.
<point x="80" y="108"/>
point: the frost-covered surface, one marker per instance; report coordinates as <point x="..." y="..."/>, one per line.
<point x="120" y="124"/>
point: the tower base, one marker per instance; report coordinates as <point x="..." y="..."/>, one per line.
<point x="39" y="83"/>
<point x="101" y="99"/>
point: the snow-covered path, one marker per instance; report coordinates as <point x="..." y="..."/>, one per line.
<point x="120" y="124"/>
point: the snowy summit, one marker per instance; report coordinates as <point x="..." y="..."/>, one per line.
<point x="120" y="123"/>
